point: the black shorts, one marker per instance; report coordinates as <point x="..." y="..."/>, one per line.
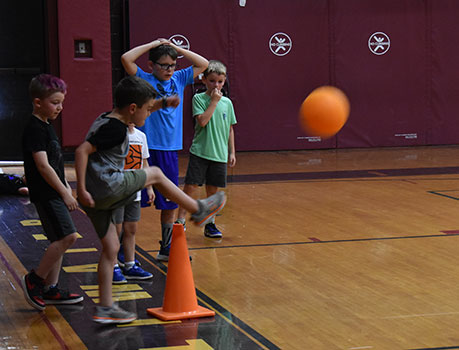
<point x="203" y="171"/>
<point x="55" y="219"/>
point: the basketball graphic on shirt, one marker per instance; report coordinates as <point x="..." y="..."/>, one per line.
<point x="134" y="157"/>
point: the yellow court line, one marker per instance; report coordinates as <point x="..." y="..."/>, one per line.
<point x="147" y="322"/>
<point x="81" y="250"/>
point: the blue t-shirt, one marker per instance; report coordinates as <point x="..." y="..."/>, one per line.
<point x="164" y="127"/>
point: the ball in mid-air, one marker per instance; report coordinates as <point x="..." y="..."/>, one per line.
<point x="324" y="112"/>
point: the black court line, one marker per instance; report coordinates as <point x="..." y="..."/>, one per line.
<point x="224" y="331"/>
<point x="439" y="193"/>
<point x="217" y="307"/>
<point x="342" y="174"/>
<point x="321" y="242"/>
<point x="379" y="174"/>
<point x="441" y="348"/>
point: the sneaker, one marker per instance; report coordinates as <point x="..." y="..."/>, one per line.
<point x="212" y="231"/>
<point x="181" y="223"/>
<point x="208" y="208"/>
<point x="121" y="258"/>
<point x="32" y="286"/>
<point x="136" y="273"/>
<point x="163" y="254"/>
<point x="61" y="297"/>
<point x="118" y="277"/>
<point x="113" y="314"/>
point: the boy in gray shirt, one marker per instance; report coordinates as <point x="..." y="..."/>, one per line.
<point x="103" y="185"/>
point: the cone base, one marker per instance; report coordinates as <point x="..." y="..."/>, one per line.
<point x="158" y="312"/>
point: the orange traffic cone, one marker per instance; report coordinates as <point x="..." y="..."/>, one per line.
<point x="180" y="301"/>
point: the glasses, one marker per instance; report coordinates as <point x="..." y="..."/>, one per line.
<point x="166" y="66"/>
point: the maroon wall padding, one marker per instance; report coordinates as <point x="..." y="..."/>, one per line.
<point x="89" y="79"/>
<point x="204" y="23"/>
<point x="388" y="92"/>
<point x="268" y="90"/>
<point x="405" y="97"/>
<point x="444" y="125"/>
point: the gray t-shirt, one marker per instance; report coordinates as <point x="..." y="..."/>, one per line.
<point x="104" y="173"/>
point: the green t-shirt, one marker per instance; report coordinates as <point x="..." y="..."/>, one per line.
<point x="211" y="142"/>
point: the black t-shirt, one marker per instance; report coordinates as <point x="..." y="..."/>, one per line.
<point x="40" y="136"/>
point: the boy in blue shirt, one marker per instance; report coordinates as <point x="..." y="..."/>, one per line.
<point x="164" y="127"/>
<point x="213" y="143"/>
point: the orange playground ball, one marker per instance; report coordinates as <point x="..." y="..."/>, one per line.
<point x="324" y="112"/>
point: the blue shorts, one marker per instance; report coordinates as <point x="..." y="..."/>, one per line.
<point x="167" y="161"/>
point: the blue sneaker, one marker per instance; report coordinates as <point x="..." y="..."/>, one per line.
<point x="136" y="273"/>
<point x="121" y="258"/>
<point x="212" y="231"/>
<point x="118" y="277"/>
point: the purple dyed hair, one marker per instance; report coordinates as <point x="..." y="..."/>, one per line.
<point x="44" y="85"/>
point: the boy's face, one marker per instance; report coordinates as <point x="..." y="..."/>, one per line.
<point x="214" y="81"/>
<point x="49" y="107"/>
<point x="163" y="68"/>
<point x="141" y="113"/>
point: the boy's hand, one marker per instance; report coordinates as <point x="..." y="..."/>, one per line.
<point x="85" y="198"/>
<point x="216" y="95"/>
<point x="173" y="101"/>
<point x="150" y="194"/>
<point x="231" y="160"/>
<point x="159" y="41"/>
<point x="70" y="201"/>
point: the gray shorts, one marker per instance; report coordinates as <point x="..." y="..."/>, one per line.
<point x="104" y="211"/>
<point x="203" y="171"/>
<point x="55" y="219"/>
<point x="129" y="213"/>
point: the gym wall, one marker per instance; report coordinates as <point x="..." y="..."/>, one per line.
<point x="395" y="59"/>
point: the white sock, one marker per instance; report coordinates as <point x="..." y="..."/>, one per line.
<point x="129" y="264"/>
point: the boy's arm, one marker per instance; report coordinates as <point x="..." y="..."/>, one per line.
<point x="50" y="176"/>
<point x="150" y="192"/>
<point x="128" y="59"/>
<point x="81" y="164"/>
<point x="204" y="118"/>
<point x="199" y="63"/>
<point x="231" y="148"/>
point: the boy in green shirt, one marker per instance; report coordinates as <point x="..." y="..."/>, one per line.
<point x="213" y="143"/>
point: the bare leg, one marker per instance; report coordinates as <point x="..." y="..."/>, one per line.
<point x="191" y="191"/>
<point x="210" y="190"/>
<point x="50" y="263"/>
<point x="130" y="229"/>
<point x="169" y="190"/>
<point x="167" y="216"/>
<point x="110" y="248"/>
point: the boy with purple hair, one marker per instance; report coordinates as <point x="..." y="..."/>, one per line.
<point x="49" y="191"/>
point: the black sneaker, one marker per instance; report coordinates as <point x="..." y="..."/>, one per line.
<point x="163" y="254"/>
<point x="212" y="231"/>
<point x="58" y="296"/>
<point x="32" y="286"/>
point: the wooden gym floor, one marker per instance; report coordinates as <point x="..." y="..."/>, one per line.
<point x="325" y="249"/>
